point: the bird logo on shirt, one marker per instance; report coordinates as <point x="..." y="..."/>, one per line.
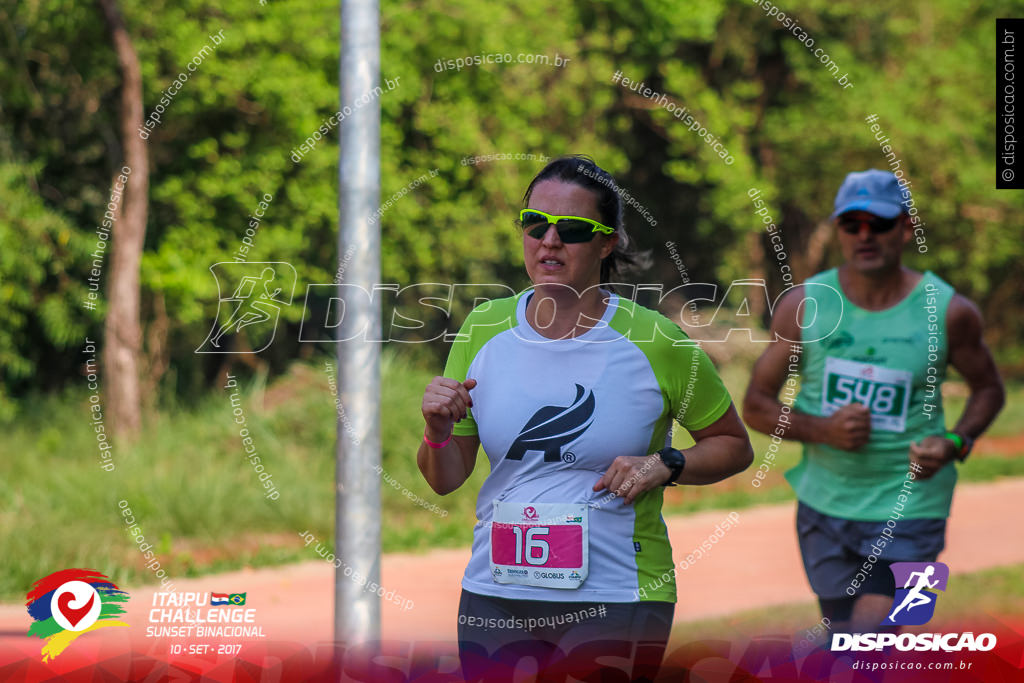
<point x="552" y="427"/>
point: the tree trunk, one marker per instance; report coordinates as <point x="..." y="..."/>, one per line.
<point x="156" y="357"/>
<point x="123" y="333"/>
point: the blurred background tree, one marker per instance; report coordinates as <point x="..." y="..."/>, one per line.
<point x="924" y="68"/>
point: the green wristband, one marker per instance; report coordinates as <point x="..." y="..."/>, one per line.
<point x="957" y="441"/>
<point x="963" y="444"/>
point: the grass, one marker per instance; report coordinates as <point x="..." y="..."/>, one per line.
<point x="197" y="499"/>
<point x="194" y="494"/>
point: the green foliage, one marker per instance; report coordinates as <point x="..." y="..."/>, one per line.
<point x="37" y="296"/>
<point x="226" y="138"/>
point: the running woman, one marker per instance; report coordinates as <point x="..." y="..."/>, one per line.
<point x="876" y="478"/>
<point x="572" y="390"/>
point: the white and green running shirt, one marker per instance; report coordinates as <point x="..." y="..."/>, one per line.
<point x="552" y="415"/>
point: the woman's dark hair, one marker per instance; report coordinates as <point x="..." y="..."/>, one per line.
<point x="583" y="171"/>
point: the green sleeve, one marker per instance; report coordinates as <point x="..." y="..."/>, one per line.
<point x="699" y="397"/>
<point x="693" y="391"/>
<point x="457" y="368"/>
<point x="483" y="323"/>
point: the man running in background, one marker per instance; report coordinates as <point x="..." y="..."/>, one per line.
<point x="876" y="478"/>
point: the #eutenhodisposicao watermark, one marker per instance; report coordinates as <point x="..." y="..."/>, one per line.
<point x="886" y="535"/>
<point x="683" y="114"/>
<point x="784" y="421"/>
<point x="531" y="623"/>
<point x="628" y="198"/>
<point x="896" y="166"/>
<point x="110" y="215"/>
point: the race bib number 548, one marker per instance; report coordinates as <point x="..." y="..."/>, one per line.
<point x="885" y="392"/>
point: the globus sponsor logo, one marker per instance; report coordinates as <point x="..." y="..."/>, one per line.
<point x="918" y="642"/>
<point x="549" y="575"/>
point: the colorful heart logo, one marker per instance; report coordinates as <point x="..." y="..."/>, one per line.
<point x="72" y="614"/>
<point x="69" y="603"/>
<point x="75" y="605"/>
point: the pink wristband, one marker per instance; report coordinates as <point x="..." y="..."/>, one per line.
<point x="437" y="445"/>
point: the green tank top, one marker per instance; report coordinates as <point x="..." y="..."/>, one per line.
<point x="894" y="362"/>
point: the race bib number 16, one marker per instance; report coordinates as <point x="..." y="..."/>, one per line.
<point x="885" y="392"/>
<point x="539" y="544"/>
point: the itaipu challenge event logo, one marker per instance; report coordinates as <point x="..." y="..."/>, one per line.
<point x="70" y="603"/>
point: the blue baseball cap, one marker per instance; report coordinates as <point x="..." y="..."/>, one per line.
<point x="874" y="191"/>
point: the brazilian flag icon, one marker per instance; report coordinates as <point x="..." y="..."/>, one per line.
<point x="237" y="598"/>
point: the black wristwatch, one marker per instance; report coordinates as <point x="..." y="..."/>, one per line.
<point x="673" y="459"/>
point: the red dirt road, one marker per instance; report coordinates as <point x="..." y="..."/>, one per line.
<point x="755" y="564"/>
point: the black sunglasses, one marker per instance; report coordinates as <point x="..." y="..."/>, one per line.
<point x="571" y="229"/>
<point x="876" y="225"/>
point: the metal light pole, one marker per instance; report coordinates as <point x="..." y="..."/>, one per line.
<point x="357" y="484"/>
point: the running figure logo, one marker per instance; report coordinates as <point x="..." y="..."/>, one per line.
<point x="914" y="603"/>
<point x="262" y="290"/>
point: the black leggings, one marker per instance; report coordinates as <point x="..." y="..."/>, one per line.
<point x="498" y="636"/>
